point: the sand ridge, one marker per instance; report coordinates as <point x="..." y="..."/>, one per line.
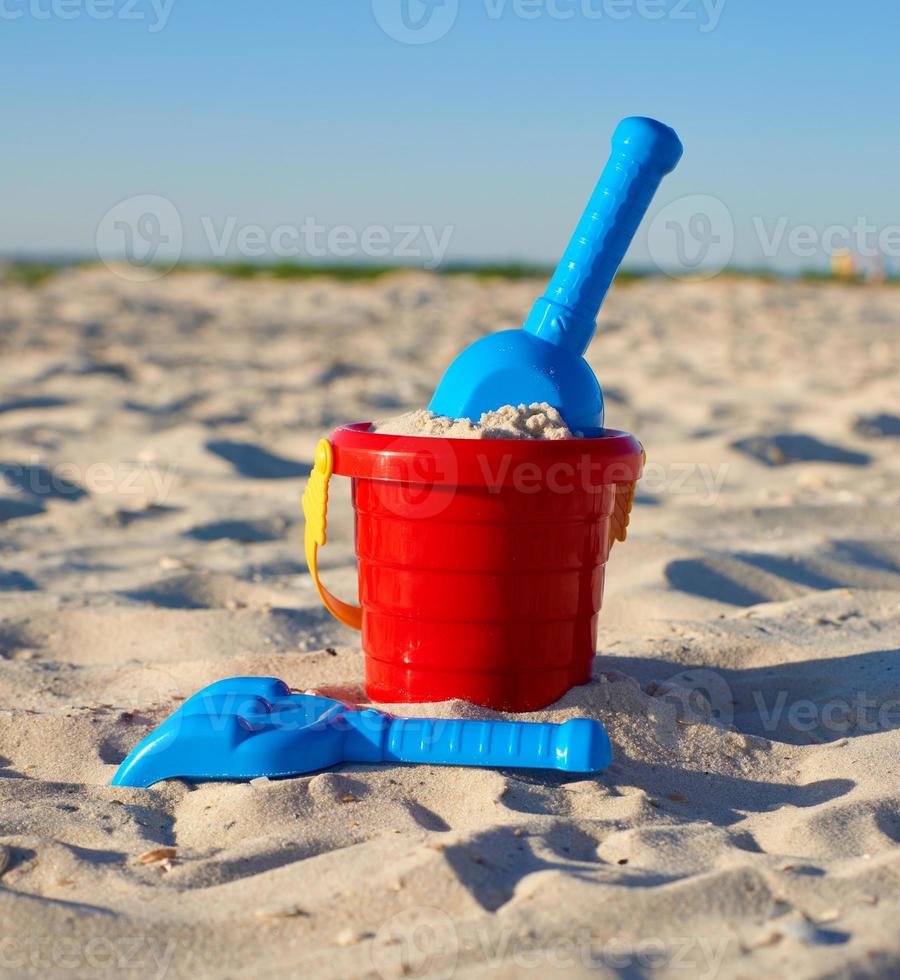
<point x="155" y="443"/>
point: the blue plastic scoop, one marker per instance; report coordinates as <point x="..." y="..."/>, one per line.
<point x="543" y="361"/>
<point x="246" y="727"/>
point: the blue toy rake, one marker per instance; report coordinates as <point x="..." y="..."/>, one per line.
<point x="246" y="727"/>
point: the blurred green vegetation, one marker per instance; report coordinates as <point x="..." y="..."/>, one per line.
<point x="34" y="273"/>
<point x="817" y="275"/>
<point x="26" y="273"/>
<point x="509" y="271"/>
<point x="348" y="272"/>
<point x="343" y="272"/>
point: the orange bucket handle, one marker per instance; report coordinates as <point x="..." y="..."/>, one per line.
<point x="315" y="510"/>
<point x="621" y="515"/>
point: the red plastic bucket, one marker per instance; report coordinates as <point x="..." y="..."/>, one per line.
<point x="481" y="562"/>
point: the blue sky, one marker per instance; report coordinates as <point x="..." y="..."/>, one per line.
<point x="275" y="113"/>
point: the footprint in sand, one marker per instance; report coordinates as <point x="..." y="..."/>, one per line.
<point x="38" y="482"/>
<point x="11" y="509"/>
<point x="35" y="402"/>
<point x="16" y="582"/>
<point x="746" y="578"/>
<point x="786" y="447"/>
<point x="245" y="532"/>
<point x="878" y="426"/>
<point x="257" y="463"/>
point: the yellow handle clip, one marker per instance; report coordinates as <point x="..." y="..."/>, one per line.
<point x="315" y="510"/>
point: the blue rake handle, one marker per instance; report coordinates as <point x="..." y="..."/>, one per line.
<point x="578" y="745"/>
<point x="643" y="152"/>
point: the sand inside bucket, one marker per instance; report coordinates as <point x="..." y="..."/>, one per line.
<point x="536" y="421"/>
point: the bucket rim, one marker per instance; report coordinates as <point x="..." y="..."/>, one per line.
<point x="615" y="457"/>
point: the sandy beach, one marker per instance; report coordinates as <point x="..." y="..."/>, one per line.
<point x="156" y="440"/>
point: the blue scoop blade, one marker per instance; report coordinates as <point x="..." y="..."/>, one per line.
<point x="239" y="728"/>
<point x="514" y="367"/>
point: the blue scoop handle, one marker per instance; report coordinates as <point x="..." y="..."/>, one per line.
<point x="244" y="727"/>
<point x="643" y="152"/>
<point x="578" y="745"/>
